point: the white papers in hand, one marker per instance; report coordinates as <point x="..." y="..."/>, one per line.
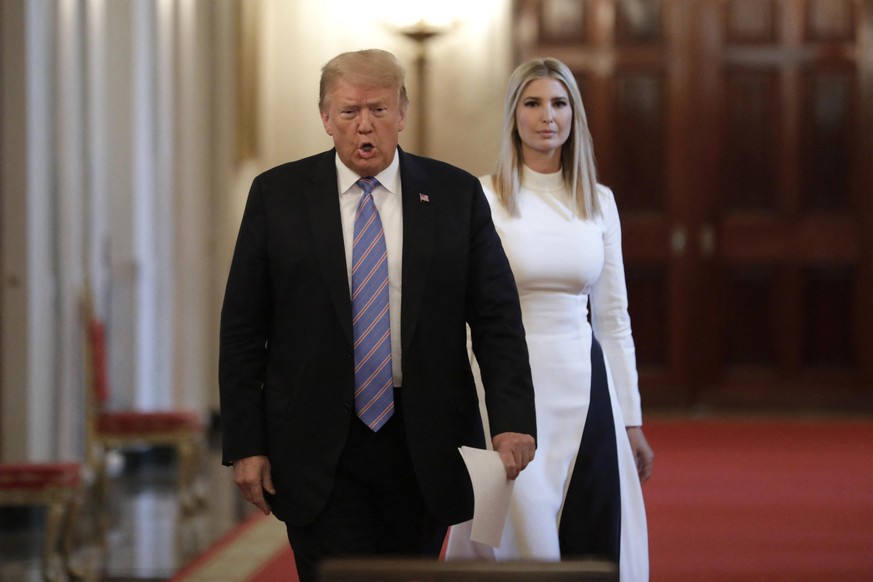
<point x="491" y="492"/>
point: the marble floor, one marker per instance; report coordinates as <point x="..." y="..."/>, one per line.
<point x="146" y="535"/>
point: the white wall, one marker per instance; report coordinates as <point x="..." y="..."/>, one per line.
<point x="469" y="67"/>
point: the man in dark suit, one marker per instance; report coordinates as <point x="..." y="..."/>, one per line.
<point x="347" y="480"/>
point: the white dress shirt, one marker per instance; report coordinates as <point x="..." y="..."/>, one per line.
<point x="387" y="198"/>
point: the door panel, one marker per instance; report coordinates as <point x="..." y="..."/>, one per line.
<point x="793" y="251"/>
<point x="736" y="135"/>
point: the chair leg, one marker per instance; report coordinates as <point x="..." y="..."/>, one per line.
<point x="198" y="446"/>
<point x="101" y="496"/>
<point x="54" y="517"/>
<point x="70" y="526"/>
<point x="187" y="454"/>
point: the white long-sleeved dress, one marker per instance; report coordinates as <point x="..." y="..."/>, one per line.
<point x="560" y="262"/>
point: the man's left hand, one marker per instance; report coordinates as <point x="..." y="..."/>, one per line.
<point x="516" y="451"/>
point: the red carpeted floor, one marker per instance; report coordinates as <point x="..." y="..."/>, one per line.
<point x="761" y="499"/>
<point x="280" y="569"/>
<point x="744" y="499"/>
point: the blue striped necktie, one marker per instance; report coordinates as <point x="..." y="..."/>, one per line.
<point x="374" y="380"/>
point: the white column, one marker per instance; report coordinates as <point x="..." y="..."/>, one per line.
<point x="96" y="220"/>
<point x="70" y="205"/>
<point x="226" y="176"/>
<point x="164" y="241"/>
<point x="17" y="403"/>
<point x="29" y="293"/>
<point x="193" y="207"/>
<point x="144" y="189"/>
<point x="42" y="284"/>
<point x="122" y="147"/>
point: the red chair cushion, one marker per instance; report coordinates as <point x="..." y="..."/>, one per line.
<point x="39" y="475"/>
<point x="135" y="421"/>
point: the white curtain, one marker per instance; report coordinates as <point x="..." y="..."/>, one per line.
<point x="107" y="184"/>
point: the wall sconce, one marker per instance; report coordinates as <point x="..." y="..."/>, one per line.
<point x="420" y="33"/>
<point x="420" y="24"/>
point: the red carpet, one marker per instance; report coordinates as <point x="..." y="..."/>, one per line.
<point x="733" y="499"/>
<point x="279" y="569"/>
<point x="247" y="552"/>
<point x="761" y="500"/>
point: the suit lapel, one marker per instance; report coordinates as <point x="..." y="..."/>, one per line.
<point x="323" y="209"/>
<point x="418" y="241"/>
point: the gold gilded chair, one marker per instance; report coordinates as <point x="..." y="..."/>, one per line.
<point x="57" y="487"/>
<point x="106" y="430"/>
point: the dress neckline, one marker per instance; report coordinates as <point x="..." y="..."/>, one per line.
<point x="552" y="182"/>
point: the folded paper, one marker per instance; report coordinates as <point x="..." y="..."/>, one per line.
<point x="491" y="492"/>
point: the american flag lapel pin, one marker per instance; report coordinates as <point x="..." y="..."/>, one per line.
<point x="423" y="197"/>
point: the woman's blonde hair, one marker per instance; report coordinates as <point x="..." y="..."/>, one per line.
<point x="577" y="154"/>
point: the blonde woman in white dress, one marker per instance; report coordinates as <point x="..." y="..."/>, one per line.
<point x="581" y="496"/>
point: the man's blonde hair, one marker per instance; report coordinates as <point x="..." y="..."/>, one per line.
<point x="374" y="67"/>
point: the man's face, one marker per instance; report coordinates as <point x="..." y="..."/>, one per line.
<point x="365" y="123"/>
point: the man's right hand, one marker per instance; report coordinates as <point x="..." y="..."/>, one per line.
<point x="253" y="476"/>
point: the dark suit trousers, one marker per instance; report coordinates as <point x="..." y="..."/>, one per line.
<point x="376" y="507"/>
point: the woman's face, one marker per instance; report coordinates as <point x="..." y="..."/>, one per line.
<point x="544" y="117"/>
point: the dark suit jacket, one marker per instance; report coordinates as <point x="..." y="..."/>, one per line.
<point x="286" y="366"/>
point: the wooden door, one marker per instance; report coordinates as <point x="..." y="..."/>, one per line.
<point x="736" y="135"/>
<point x="785" y="93"/>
